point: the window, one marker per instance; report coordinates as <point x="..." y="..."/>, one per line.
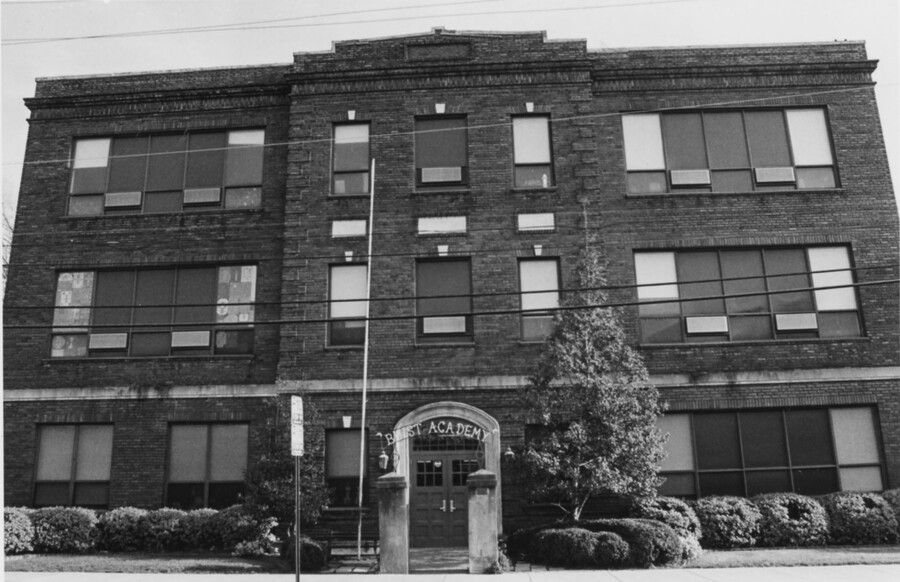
<point x="808" y="451"/>
<point x="73" y="465"/>
<point x="441" y="155"/>
<point x="443" y="291"/>
<point x="442" y="225"/>
<point x="154" y="312"/>
<point x="348" y="228"/>
<point x="539" y="283"/>
<point x="536" y="222"/>
<point x="351" y="159"/>
<point x="347" y="293"/>
<point x="728" y="151"/>
<point x="342" y="467"/>
<point x="207" y="463"/>
<point x="758" y="306"/>
<point x="167" y="173"/>
<point x="533" y="156"/>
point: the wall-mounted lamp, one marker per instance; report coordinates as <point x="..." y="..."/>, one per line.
<point x="508" y="454"/>
<point x="383" y="460"/>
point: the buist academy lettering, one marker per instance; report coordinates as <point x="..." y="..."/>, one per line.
<point x="439" y="427"/>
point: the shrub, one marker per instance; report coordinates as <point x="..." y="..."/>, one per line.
<point x="650" y="542"/>
<point x="161" y="529"/>
<point x="789" y="519"/>
<point x="671" y="511"/>
<point x="120" y="531"/>
<point x="237" y="524"/>
<point x="18" y="533"/>
<point x="518" y="543"/>
<point x="892" y="496"/>
<point x="727" y="522"/>
<point x="195" y="531"/>
<point x="860" y="518"/>
<point x="64" y="529"/>
<point x="692" y="549"/>
<point x="312" y="554"/>
<point x="612" y="550"/>
<point x="568" y="547"/>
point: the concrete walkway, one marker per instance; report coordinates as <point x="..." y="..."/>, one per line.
<point x="885" y="573"/>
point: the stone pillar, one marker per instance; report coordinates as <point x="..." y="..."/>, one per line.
<point x="483" y="520"/>
<point x="393" y="523"/>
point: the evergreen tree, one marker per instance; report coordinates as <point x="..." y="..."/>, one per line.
<point x="598" y="409"/>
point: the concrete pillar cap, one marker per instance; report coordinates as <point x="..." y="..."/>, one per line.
<point x="482" y="478"/>
<point x="391" y="481"/>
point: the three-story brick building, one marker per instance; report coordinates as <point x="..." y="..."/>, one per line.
<point x="192" y="247"/>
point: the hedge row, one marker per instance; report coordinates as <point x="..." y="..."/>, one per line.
<point x="75" y="529"/>
<point x="789" y="519"/>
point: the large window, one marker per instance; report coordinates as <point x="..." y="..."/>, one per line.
<point x="539" y="283"/>
<point x="443" y="291"/>
<point x="167" y="173"/>
<point x="728" y="151"/>
<point x="347" y="294"/>
<point x="441" y="154"/>
<point x="808" y="451"/>
<point x="73" y="465"/>
<point x="532" y="152"/>
<point x="351" y="159"/>
<point x="207" y="463"/>
<point x="342" y="467"/>
<point x="760" y="304"/>
<point x="154" y="312"/>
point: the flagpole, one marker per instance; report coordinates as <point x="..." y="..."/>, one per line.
<point x="362" y="426"/>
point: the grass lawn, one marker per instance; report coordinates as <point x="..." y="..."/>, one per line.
<point x="142" y="563"/>
<point x="821" y="556"/>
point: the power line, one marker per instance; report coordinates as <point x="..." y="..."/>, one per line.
<point x="565" y="290"/>
<point x="292" y="321"/>
<point x="252" y="26"/>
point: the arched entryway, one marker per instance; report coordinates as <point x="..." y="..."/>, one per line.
<point x="439" y="444"/>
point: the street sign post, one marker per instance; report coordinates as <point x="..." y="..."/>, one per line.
<point x="297" y="452"/>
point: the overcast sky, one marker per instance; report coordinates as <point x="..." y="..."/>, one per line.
<point x="114" y="36"/>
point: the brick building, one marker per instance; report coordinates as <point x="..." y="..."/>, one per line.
<point x="191" y="248"/>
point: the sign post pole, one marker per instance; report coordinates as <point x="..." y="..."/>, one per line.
<point x="296" y="452"/>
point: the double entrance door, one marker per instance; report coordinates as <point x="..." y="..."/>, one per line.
<point x="439" y="515"/>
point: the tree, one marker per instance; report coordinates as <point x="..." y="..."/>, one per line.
<point x="270" y="479"/>
<point x="597" y="407"/>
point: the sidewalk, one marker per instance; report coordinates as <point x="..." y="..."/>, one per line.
<point x="881" y="573"/>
